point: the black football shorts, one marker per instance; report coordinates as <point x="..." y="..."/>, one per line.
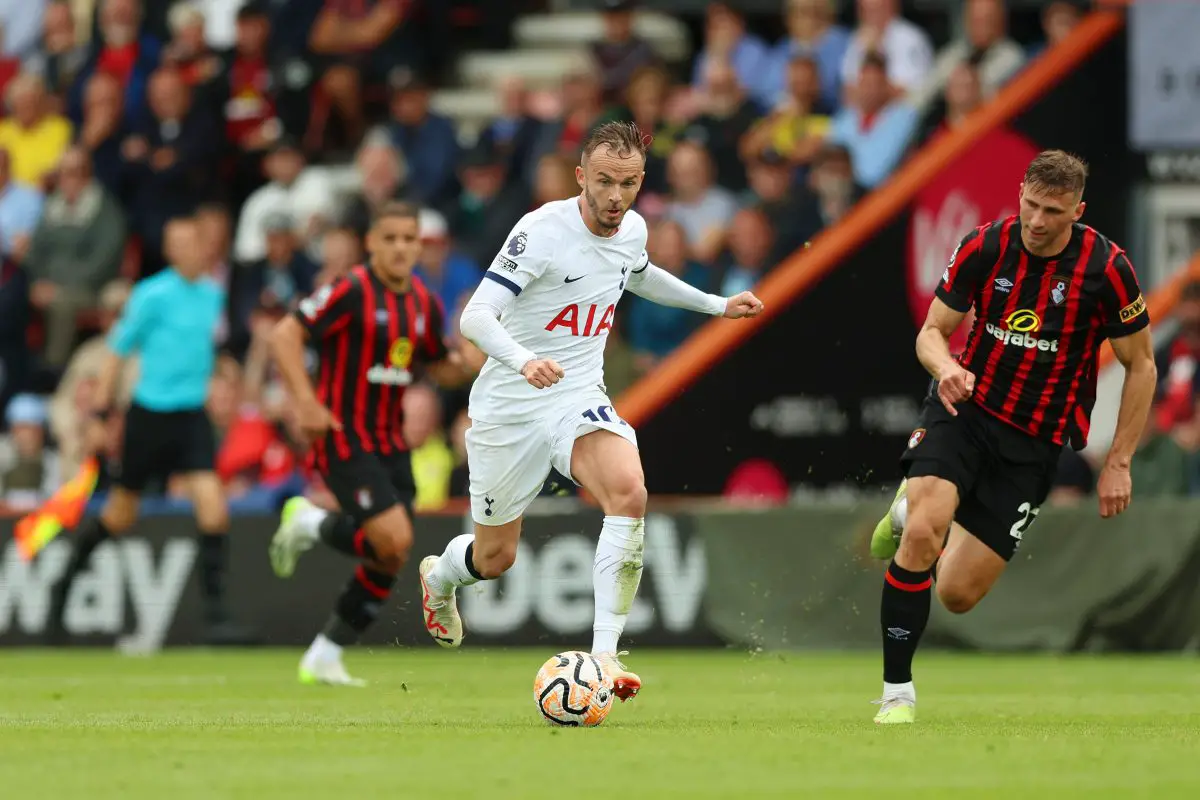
<point x="1003" y="474"/>
<point x="157" y="444"/>
<point x="367" y="484"/>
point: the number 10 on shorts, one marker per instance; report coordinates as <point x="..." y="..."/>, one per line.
<point x="603" y="414"/>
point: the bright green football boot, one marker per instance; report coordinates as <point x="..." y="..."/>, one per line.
<point x="885" y="541"/>
<point x="896" y="711"/>
<point x="291" y="539"/>
<point x="329" y="673"/>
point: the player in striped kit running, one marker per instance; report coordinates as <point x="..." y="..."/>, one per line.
<point x="1047" y="291"/>
<point x="376" y="331"/>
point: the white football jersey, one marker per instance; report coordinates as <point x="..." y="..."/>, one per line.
<point x="566" y="281"/>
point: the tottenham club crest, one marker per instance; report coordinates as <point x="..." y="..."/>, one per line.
<point x="916" y="438"/>
<point x="516" y="245"/>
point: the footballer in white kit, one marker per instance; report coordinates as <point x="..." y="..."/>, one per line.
<point x="542" y="315"/>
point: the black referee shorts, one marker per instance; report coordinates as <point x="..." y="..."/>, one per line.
<point x="367" y="484"/>
<point x="1003" y="474"/>
<point x="161" y="443"/>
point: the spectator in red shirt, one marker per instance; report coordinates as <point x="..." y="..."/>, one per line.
<point x="122" y="52"/>
<point x="1178" y="378"/>
<point x="252" y="125"/>
<point x="188" y="52"/>
<point x="250" y="121"/>
<point x="257" y="451"/>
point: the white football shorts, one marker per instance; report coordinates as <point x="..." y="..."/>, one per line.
<point x="509" y="462"/>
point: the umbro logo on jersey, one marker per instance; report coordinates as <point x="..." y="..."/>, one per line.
<point x="569" y="279"/>
<point x="1003" y="284"/>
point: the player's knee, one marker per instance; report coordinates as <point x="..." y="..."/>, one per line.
<point x="391" y="551"/>
<point x="627" y="496"/>
<point x="923" y="536"/>
<point x="494" y="559"/>
<point x="956" y="598"/>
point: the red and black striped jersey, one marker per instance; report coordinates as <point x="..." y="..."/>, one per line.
<point x="369" y="340"/>
<point x="1039" y="323"/>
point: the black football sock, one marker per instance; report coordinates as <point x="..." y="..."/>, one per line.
<point x="358" y="606"/>
<point x="214" y="561"/>
<point x="343" y="534"/>
<point x="470" y="565"/>
<point x="93" y="534"/>
<point x="903" y="615"/>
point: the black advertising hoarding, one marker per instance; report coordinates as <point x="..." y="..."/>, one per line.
<point x="141" y="592"/>
<point x="829" y="390"/>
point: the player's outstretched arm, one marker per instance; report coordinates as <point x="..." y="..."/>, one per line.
<point x="659" y="286"/>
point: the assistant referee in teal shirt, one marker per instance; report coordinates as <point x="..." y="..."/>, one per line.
<point x="169" y="322"/>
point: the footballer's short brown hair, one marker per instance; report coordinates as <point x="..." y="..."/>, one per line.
<point x="1057" y="171"/>
<point x="623" y="138"/>
<point x="396" y="209"/>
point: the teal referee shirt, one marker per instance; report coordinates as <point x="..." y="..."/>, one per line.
<point x="170" y="322"/>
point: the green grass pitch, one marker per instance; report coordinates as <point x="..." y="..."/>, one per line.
<point x="435" y="724"/>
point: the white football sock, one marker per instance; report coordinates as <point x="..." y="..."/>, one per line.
<point x="322" y="651"/>
<point x="309" y="519"/>
<point x="616" y="573"/>
<point x="900" y="514"/>
<point x="451" y="571"/>
<point x="899" y="690"/>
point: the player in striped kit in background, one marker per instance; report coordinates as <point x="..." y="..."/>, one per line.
<point x="376" y="331"/>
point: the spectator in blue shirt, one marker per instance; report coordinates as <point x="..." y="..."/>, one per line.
<point x="427" y="140"/>
<point x="726" y="39"/>
<point x="876" y="130"/>
<point x="169" y="321"/>
<point x="447" y="272"/>
<point x="811" y="33"/>
<point x="20" y="210"/>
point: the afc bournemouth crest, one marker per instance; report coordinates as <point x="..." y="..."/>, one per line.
<point x="915" y="438"/>
<point x="1058" y="289"/>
